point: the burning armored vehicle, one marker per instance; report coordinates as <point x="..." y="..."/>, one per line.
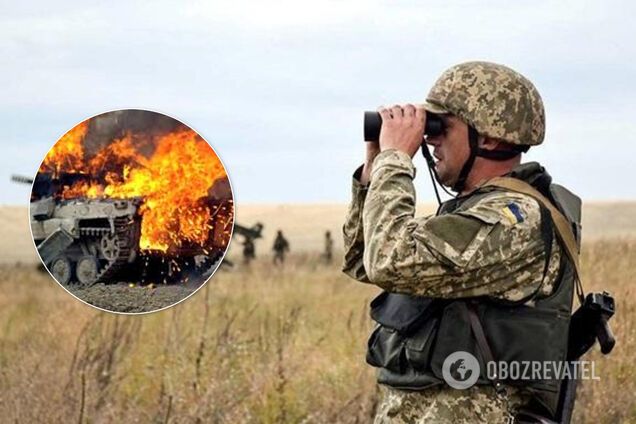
<point x="91" y="240"/>
<point x="84" y="240"/>
<point x="131" y="205"/>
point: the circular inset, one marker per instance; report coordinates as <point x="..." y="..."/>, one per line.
<point x="131" y="211"/>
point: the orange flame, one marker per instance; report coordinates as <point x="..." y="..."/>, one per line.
<point x="68" y="153"/>
<point x="181" y="170"/>
<point x="172" y="182"/>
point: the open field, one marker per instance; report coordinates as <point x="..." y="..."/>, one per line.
<point x="305" y="225"/>
<point x="255" y="345"/>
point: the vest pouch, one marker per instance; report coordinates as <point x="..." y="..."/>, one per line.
<point x="455" y="334"/>
<point x="386" y="349"/>
<point x="418" y="347"/>
<point x="401" y="312"/>
<point x="401" y="318"/>
<point x="524" y="334"/>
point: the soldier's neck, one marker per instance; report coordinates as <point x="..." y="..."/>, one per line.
<point x="486" y="169"/>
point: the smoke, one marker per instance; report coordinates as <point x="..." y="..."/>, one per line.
<point x="146" y="128"/>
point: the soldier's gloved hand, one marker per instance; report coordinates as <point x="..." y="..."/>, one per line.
<point x="402" y="128"/>
<point x="373" y="149"/>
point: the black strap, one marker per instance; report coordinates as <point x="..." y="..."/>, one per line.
<point x="499" y="154"/>
<point x="524" y="416"/>
<point x="484" y="347"/>
<point x="475" y="150"/>
<point x="527" y="417"/>
<point x="430" y="164"/>
<point x="473" y="143"/>
<point x="547" y="235"/>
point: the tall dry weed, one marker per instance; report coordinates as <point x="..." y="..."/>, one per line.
<point x="257" y="345"/>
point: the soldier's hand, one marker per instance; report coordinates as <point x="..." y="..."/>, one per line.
<point x="402" y="128"/>
<point x="373" y="149"/>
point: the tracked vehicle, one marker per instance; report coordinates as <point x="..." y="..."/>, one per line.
<point x="91" y="240"/>
<point x="83" y="240"/>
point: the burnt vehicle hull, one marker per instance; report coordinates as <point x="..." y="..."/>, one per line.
<point x="191" y="262"/>
<point x="86" y="241"/>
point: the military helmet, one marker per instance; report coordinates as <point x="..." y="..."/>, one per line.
<point x="498" y="102"/>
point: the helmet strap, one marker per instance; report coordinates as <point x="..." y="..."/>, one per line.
<point x="473" y="143"/>
<point x="430" y="163"/>
<point x="475" y="150"/>
<point x="502" y="154"/>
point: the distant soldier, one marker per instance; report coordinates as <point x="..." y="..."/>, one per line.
<point x="281" y="246"/>
<point x="249" y="252"/>
<point x="328" y="255"/>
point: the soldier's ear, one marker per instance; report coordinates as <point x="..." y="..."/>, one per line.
<point x="488" y="143"/>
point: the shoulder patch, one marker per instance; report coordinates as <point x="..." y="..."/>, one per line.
<point x="512" y="213"/>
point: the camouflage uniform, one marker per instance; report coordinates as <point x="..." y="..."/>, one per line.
<point x="249" y="251"/>
<point x="492" y="248"/>
<point x="328" y="255"/>
<point x="281" y="246"/>
<point x="446" y="406"/>
<point x="496" y="100"/>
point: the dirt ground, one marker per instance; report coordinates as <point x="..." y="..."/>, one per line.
<point x="133" y="298"/>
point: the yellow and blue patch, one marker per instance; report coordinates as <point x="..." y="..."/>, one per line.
<point x="512" y="213"/>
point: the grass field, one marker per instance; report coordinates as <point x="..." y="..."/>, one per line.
<point x="254" y="345"/>
<point x="305" y="225"/>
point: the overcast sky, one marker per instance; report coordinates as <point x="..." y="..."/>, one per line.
<point x="278" y="88"/>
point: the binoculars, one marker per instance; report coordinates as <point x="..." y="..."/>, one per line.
<point x="373" y="123"/>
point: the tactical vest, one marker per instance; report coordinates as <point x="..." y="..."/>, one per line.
<point x="415" y="334"/>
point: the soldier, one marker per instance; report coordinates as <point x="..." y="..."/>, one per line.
<point x="249" y="251"/>
<point x="484" y="263"/>
<point x="328" y="255"/>
<point x="281" y="246"/>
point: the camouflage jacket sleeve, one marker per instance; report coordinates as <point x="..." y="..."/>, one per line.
<point x="491" y="248"/>
<point x="353" y="233"/>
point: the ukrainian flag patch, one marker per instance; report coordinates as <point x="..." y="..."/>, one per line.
<point x="512" y="213"/>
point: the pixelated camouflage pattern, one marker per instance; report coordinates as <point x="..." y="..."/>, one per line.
<point x="476" y="250"/>
<point x="353" y="233"/>
<point x="442" y="405"/>
<point x="386" y="244"/>
<point x="496" y="100"/>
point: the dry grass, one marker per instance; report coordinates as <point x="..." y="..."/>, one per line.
<point x="259" y="345"/>
<point x="305" y="225"/>
<point x="609" y="265"/>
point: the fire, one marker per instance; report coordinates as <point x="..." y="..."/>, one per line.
<point x="116" y="156"/>
<point x="68" y="153"/>
<point x="179" y="173"/>
<point x="172" y="180"/>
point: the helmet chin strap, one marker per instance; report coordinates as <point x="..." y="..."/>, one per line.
<point x="433" y="173"/>
<point x="473" y="143"/>
<point x="475" y="150"/>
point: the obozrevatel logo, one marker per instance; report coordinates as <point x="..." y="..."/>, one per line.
<point x="460" y="370"/>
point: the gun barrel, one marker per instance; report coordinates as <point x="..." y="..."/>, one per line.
<point x="252" y="233"/>
<point x="21" y="179"/>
